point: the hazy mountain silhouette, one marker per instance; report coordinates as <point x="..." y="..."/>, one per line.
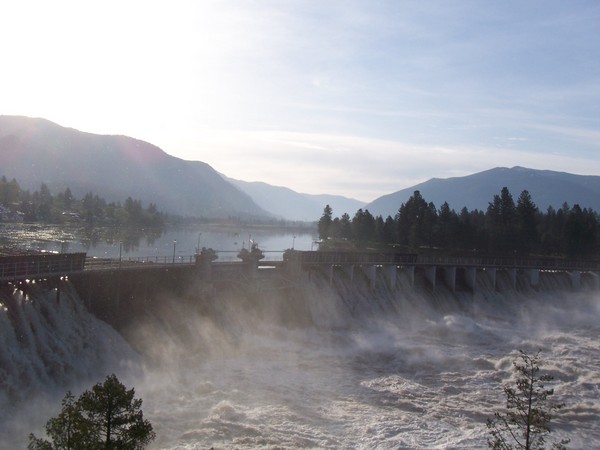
<point x="547" y="188"/>
<point x="114" y="167"/>
<point x="291" y="205"/>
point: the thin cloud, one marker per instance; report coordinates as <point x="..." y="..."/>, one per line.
<point x="585" y="136"/>
<point x="358" y="167"/>
<point x="344" y="96"/>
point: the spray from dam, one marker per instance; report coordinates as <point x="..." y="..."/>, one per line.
<point x="317" y="362"/>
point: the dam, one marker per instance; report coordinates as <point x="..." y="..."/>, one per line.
<point x="114" y="290"/>
<point x="319" y="350"/>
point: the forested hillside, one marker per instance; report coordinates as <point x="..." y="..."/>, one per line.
<point x="548" y="188"/>
<point x="18" y="205"/>
<point x="115" y="167"/>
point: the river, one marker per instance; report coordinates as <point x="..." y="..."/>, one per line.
<point x="172" y="241"/>
<point x="314" y="365"/>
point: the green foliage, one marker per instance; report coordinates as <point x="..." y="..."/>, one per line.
<point x="581" y="230"/>
<point x="106" y="417"/>
<point x="363" y="226"/>
<point x="414" y="220"/>
<point x="10" y="191"/>
<point x="526" y="223"/>
<point x="505" y="228"/>
<point x="208" y="254"/>
<point x="525" y="424"/>
<point x="345" y="227"/>
<point x="501" y="217"/>
<point x="254" y="253"/>
<point x="42" y="206"/>
<point x="324" y="224"/>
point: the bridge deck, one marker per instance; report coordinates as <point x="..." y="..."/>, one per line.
<point x="41" y="265"/>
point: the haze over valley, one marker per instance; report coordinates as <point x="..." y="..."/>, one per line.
<point x="36" y="151"/>
<point x="299" y="224"/>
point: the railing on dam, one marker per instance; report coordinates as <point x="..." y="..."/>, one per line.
<point x="321" y="257"/>
<point x="93" y="263"/>
<point x="30" y="265"/>
<point x="40" y="264"/>
<point x="383" y="258"/>
<point x="540" y="263"/>
<point x="23" y="266"/>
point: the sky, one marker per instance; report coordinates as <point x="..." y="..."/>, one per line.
<point x="359" y="98"/>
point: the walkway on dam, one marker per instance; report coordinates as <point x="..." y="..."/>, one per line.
<point x="41" y="265"/>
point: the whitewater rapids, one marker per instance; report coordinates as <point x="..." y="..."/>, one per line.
<point x="309" y="365"/>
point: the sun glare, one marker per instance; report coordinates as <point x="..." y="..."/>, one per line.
<point x="120" y="67"/>
<point x="182" y="73"/>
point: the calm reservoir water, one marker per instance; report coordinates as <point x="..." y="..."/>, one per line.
<point x="179" y="241"/>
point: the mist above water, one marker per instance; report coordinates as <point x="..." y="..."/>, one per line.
<point x="49" y="343"/>
<point x="314" y="365"/>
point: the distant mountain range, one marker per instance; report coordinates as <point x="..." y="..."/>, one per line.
<point x="115" y="167"/>
<point x="36" y="150"/>
<point x="547" y="188"/>
<point x="291" y="205"/>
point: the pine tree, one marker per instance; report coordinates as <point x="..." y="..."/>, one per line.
<point x="325" y="223"/>
<point x="526" y="422"/>
<point x="106" y="417"/>
<point x="501" y="222"/>
<point x="527" y="223"/>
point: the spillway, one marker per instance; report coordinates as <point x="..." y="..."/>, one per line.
<point x="313" y="362"/>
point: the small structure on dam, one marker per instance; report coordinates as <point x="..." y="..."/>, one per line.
<point x="453" y="272"/>
<point x="115" y="289"/>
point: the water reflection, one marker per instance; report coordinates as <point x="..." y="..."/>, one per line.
<point x="128" y="239"/>
<point x="108" y="242"/>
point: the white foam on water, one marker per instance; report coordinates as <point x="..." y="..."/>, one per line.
<point x="49" y="343"/>
<point x="341" y="366"/>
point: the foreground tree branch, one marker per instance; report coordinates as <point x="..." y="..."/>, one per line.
<point x="525" y="424"/>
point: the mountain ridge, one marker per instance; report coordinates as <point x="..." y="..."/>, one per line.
<point x="475" y="191"/>
<point x="286" y="203"/>
<point x="36" y="150"/>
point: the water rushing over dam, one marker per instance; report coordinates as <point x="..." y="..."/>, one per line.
<point x="329" y="359"/>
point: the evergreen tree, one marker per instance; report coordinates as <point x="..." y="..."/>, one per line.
<point x="389" y="231"/>
<point x="44" y="203"/>
<point x="415" y="221"/>
<point x="527" y="223"/>
<point x="334" y="228"/>
<point x="504" y="228"/>
<point x="67" y="430"/>
<point x="549" y="236"/>
<point x="447" y="228"/>
<point x="134" y="211"/>
<point x="384" y="230"/>
<point x="10" y="191"/>
<point x="464" y="230"/>
<point x="525" y="424"/>
<point x="363" y="226"/>
<point x="325" y="223"/>
<point x="345" y="226"/>
<point x="68" y="199"/>
<point x="107" y="417"/>
<point x="501" y="219"/>
<point x="580" y="231"/>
